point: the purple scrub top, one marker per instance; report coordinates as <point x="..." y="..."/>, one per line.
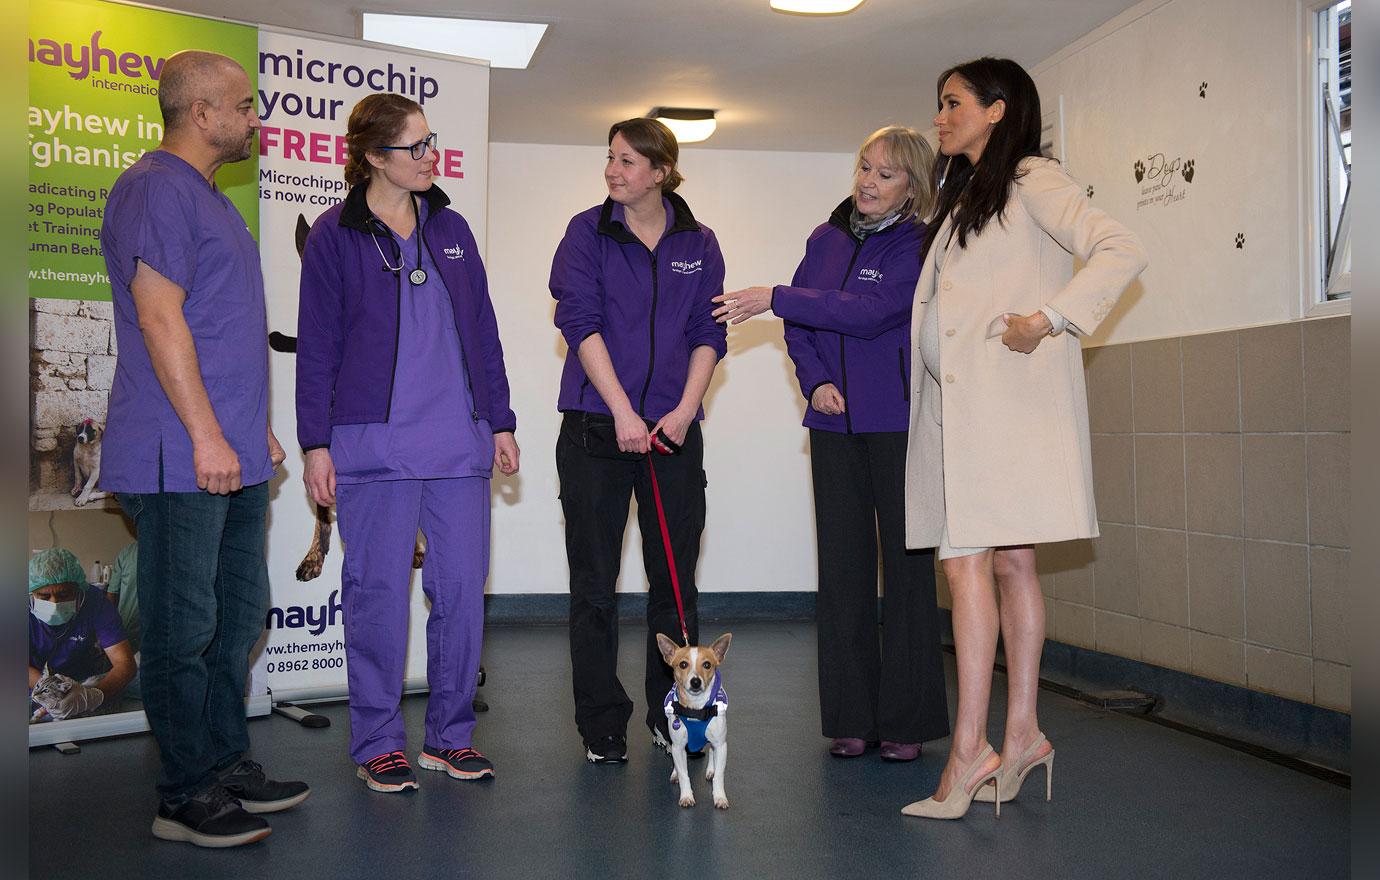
<point x="163" y="212"/>
<point x="430" y="433"/>
<point x="77" y="647"/>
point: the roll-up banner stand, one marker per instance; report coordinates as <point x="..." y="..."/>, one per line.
<point x="93" y="111"/>
<point x="93" y="80"/>
<point x="307" y="86"/>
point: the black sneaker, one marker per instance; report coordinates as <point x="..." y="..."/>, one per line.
<point x="660" y="741"/>
<point x="257" y="793"/>
<point x="388" y="772"/>
<point x="212" y="818"/>
<point x="463" y="763"/>
<point x="611" y="749"/>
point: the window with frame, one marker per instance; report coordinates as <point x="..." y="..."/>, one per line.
<point x="1332" y="142"/>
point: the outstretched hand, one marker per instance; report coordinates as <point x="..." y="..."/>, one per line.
<point x="740" y="305"/>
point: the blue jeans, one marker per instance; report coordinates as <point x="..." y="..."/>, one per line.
<point x="203" y="598"/>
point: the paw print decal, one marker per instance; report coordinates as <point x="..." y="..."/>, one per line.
<point x="1240" y="240"/>
<point x="1090" y="192"/>
<point x="1140" y="171"/>
<point x="1202" y="90"/>
<point x="1187" y="171"/>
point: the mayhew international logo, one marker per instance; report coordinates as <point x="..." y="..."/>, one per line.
<point x="91" y="57"/>
<point x="454" y="253"/>
<point x="873" y="275"/>
<point x="686" y="267"/>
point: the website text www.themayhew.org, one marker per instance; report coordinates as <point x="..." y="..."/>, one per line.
<point x="90" y="279"/>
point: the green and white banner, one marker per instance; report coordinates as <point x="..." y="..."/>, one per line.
<point x="93" y="111"/>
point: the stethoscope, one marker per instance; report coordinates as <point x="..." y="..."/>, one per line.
<point x="418" y="275"/>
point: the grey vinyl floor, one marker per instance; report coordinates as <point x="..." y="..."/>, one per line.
<point x="1131" y="799"/>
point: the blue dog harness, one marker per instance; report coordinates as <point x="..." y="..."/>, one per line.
<point x="696" y="721"/>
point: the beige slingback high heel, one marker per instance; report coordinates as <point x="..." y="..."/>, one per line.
<point x="1013" y="775"/>
<point x="960" y="797"/>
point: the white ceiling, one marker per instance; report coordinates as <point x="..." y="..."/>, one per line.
<point x="779" y="82"/>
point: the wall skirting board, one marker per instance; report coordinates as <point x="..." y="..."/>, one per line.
<point x="553" y="608"/>
<point x="1301" y="731"/>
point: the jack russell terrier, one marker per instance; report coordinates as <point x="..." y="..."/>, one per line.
<point x="695" y="710"/>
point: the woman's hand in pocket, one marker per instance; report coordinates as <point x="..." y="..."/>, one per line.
<point x="1025" y="333"/>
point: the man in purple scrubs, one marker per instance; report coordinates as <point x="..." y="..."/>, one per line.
<point x="189" y="451"/>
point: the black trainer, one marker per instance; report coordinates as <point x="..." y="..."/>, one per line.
<point x="611" y="749"/>
<point x="257" y="793"/>
<point x="466" y="763"/>
<point x="660" y="741"/>
<point x="388" y="773"/>
<point x="212" y="818"/>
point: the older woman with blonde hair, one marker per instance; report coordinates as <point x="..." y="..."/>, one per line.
<point x="847" y="317"/>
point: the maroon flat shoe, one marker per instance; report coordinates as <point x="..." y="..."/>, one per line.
<point x="847" y="747"/>
<point x="893" y="751"/>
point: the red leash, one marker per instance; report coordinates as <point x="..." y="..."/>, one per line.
<point x="670" y="557"/>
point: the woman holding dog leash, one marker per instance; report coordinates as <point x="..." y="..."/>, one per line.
<point x="999" y="450"/>
<point x="402" y="409"/>
<point x="847" y="315"/>
<point x="633" y="281"/>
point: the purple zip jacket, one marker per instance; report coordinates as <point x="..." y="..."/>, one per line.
<point x="347" y="320"/>
<point x="652" y="308"/>
<point x="847" y="315"/>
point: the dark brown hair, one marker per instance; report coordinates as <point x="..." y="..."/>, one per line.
<point x="655" y="141"/>
<point x="376" y="122"/>
<point x="974" y="195"/>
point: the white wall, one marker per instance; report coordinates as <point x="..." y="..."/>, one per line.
<point x="760" y="532"/>
<point x="1131" y="90"/>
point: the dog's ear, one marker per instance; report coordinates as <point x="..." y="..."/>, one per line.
<point x="668" y="648"/>
<point x="720" y="646"/>
<point x="302" y="231"/>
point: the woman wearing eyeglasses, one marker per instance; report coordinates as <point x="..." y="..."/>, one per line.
<point x="403" y="412"/>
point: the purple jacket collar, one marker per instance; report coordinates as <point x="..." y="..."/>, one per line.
<point x="612" y="214"/>
<point x="355" y="213"/>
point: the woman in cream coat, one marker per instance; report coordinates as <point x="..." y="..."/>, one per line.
<point x="998" y="456"/>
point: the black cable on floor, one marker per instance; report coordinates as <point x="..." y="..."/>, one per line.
<point x="1335" y="777"/>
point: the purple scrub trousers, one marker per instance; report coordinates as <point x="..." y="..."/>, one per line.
<point x="378" y="523"/>
<point x="427" y="467"/>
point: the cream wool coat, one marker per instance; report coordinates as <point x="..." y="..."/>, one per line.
<point x="1000" y="446"/>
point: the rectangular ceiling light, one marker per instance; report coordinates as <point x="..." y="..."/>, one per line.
<point x="501" y="43"/>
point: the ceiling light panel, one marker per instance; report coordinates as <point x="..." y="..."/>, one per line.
<point x="816" y="7"/>
<point x="507" y="44"/>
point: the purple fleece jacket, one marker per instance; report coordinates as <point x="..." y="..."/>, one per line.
<point x="847" y="315"/>
<point x="347" y="320"/>
<point x="652" y="308"/>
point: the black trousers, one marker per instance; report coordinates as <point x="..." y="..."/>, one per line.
<point x="595" y="489"/>
<point x="895" y="691"/>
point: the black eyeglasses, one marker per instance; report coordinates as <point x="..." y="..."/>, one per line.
<point x="420" y="148"/>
